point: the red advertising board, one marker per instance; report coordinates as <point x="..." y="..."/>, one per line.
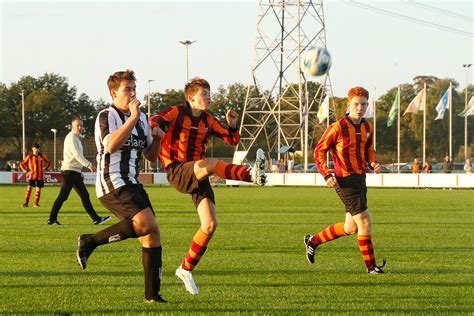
<point x="50" y="177"/>
<point x="89" y="178"/>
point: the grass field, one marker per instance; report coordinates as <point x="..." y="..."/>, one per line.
<point x="255" y="262"/>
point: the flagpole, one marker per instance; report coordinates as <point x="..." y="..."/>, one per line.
<point x="375" y="119"/>
<point x="465" y="131"/>
<point x="306" y="128"/>
<point x="450" y="123"/>
<point x="398" y="131"/>
<point x="465" y="108"/>
<point x="424" y="125"/>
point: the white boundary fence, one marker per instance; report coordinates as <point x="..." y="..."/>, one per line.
<point x="389" y="180"/>
<point x="454" y="180"/>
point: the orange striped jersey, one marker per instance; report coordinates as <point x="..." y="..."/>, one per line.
<point x="351" y="146"/>
<point x="186" y="136"/>
<point x="36" y="165"/>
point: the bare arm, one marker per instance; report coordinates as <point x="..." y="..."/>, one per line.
<point x="152" y="152"/>
<point x="119" y="137"/>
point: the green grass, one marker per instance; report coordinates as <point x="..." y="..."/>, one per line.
<point x="255" y="262"/>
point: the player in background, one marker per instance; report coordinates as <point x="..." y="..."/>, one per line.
<point x="71" y="171"/>
<point x="188" y="128"/>
<point x="122" y="137"/>
<point x="350" y="141"/>
<point x="34" y="165"/>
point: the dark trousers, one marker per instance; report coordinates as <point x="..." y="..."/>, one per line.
<point x="72" y="179"/>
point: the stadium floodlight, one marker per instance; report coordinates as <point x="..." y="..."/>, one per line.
<point x="54" y="146"/>
<point x="187" y="43"/>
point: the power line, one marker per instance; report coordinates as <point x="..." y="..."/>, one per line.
<point x="445" y="12"/>
<point x="410" y="19"/>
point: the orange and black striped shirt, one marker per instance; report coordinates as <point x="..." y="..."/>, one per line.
<point x="187" y="136"/>
<point x="351" y="146"/>
<point x="36" y="165"/>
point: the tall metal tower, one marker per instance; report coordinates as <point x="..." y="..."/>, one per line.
<point x="281" y="103"/>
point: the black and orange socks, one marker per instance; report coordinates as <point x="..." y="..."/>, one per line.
<point x="196" y="250"/>
<point x="330" y="233"/>
<point x="232" y="172"/>
<point x="367" y="250"/>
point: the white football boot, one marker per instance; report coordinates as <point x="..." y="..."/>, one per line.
<point x="187" y="278"/>
<point x="258" y="170"/>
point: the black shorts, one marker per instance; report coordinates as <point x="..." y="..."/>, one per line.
<point x="36" y="183"/>
<point x="352" y="191"/>
<point x="126" y="201"/>
<point x="181" y="176"/>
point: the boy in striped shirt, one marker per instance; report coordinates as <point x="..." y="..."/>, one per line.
<point x="188" y="128"/>
<point x="123" y="137"/>
<point x="350" y="141"/>
<point x="34" y="165"/>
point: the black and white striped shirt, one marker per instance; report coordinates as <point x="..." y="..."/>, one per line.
<point x="120" y="168"/>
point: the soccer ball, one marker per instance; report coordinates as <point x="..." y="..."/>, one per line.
<point x="316" y="61"/>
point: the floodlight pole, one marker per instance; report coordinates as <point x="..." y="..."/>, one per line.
<point x="148" y="163"/>
<point x="186" y="43"/>
<point x="466" y="66"/>
<point x="23" y="123"/>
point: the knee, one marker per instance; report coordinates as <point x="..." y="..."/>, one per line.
<point x="210" y="164"/>
<point x="366" y="223"/>
<point x="350" y="229"/>
<point x="143" y="228"/>
<point x="210" y="227"/>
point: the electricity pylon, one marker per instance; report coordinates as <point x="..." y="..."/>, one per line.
<point x="282" y="102"/>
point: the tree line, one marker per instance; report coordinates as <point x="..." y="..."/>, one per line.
<point x="50" y="102"/>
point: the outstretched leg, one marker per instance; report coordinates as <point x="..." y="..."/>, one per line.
<point x="206" y="167"/>
<point x="330" y="233"/>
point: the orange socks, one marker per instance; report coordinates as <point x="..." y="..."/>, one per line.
<point x="337" y="230"/>
<point x="196" y="251"/>
<point x="367" y="250"/>
<point x="232" y="172"/>
<point x="330" y="233"/>
<point x="37" y="197"/>
<point x="27" y="196"/>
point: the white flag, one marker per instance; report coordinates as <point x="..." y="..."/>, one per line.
<point x="417" y="103"/>
<point x="369" y="113"/>
<point x="469" y="109"/>
<point x="443" y="104"/>
<point x="323" y="111"/>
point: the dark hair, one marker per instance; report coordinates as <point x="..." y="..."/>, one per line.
<point x="117" y="77"/>
<point x="36" y="145"/>
<point x="76" y="118"/>
<point x="193" y="86"/>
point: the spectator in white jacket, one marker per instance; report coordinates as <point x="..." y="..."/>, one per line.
<point x="71" y="171"/>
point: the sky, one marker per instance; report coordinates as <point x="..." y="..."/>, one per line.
<point x="86" y="41"/>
